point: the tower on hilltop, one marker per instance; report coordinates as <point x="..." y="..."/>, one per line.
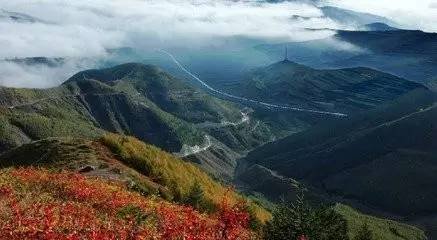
<point x="286" y="54"/>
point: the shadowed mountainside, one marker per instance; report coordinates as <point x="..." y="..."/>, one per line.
<point x="384" y="159"/>
<point x="347" y="90"/>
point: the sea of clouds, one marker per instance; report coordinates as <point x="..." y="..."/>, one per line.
<point x="82" y="31"/>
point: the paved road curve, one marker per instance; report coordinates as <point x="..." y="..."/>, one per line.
<point x="242" y="99"/>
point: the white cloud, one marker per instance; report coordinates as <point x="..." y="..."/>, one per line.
<point x="86" y="28"/>
<point x="417" y="14"/>
<point x="82" y="29"/>
<point x="39" y="76"/>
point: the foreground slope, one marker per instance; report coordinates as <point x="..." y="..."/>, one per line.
<point x="40" y="204"/>
<point x="145" y="168"/>
<point x="127" y="166"/>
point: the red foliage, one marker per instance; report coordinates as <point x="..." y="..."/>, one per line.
<point x="303" y="237"/>
<point x="231" y="220"/>
<point x="37" y="204"/>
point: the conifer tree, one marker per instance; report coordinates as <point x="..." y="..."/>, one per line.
<point x="195" y="196"/>
<point x="292" y="220"/>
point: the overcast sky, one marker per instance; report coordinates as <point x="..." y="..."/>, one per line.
<point x="416" y="14"/>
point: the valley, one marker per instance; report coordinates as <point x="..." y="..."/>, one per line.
<point x="221" y="137"/>
<point x="366" y="160"/>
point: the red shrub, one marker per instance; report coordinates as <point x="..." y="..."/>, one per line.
<point x="37" y="204"/>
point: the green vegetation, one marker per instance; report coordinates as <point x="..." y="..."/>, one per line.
<point x="364" y="233"/>
<point x="132" y="99"/>
<point x="385" y="158"/>
<point x="344" y="90"/>
<point x="69" y="128"/>
<point x="190" y="184"/>
<point x="380" y="228"/>
<point x="148" y="170"/>
<point x="297" y="220"/>
<point x="292" y="220"/>
<point x="167" y="170"/>
<point x="195" y="197"/>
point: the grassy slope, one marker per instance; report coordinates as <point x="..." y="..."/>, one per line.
<point x="136" y="100"/>
<point x="368" y="158"/>
<point x="129" y="164"/>
<point x="381" y="228"/>
<point x="371" y="142"/>
<point x="152" y="172"/>
<point x="147" y="168"/>
<point x="133" y="99"/>
<point x="346" y="90"/>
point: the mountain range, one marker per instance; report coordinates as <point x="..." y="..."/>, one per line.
<point x="71" y="127"/>
<point x="410" y="54"/>
<point x="382" y="159"/>
<point x="343" y="90"/>
<point x="133" y="99"/>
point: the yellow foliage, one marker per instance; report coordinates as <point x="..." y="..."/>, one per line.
<point x="171" y="171"/>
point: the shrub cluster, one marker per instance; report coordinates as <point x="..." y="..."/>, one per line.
<point x="39" y="204"/>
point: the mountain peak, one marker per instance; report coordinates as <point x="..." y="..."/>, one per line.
<point x="117" y="72"/>
<point x="287" y="66"/>
<point x="378" y="26"/>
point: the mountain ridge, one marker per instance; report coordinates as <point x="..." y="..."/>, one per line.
<point x="133" y="99"/>
<point x="383" y="159"/>
<point x="347" y="89"/>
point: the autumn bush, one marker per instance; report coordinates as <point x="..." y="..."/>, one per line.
<point x="39" y="204"/>
<point x="179" y="176"/>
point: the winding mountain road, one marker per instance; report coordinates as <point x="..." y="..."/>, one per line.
<point x="243" y="99"/>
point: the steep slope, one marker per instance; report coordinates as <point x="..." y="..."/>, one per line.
<point x="133" y="99"/>
<point x="405" y="128"/>
<point x="42" y="204"/>
<point x="381" y="228"/>
<point x="384" y="159"/>
<point x="342" y="90"/>
<point x="145" y="168"/>
<point x="129" y="166"/>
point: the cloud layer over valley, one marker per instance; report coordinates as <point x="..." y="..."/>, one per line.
<point x="87" y="29"/>
<point x="83" y="31"/>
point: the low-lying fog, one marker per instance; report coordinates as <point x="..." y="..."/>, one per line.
<point x="87" y="34"/>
